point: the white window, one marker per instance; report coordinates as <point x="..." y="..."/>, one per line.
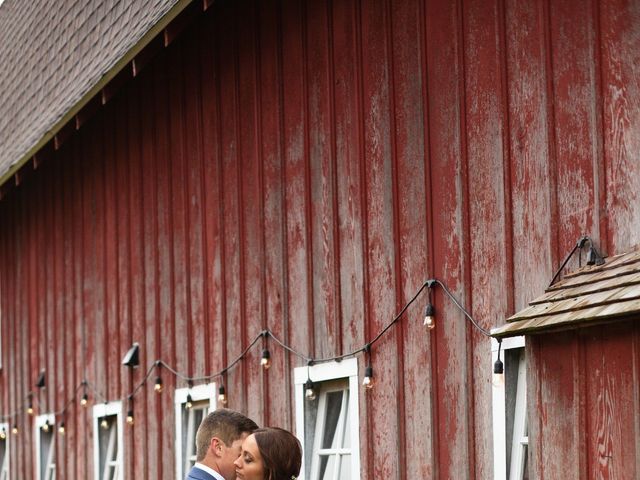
<point x="4" y="451"/>
<point x="328" y="424"/>
<point x="45" y="439"/>
<point x="510" y="430"/>
<point x="107" y="441"/>
<point x="188" y="418"/>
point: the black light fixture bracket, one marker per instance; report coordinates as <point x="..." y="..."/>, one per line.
<point x="593" y="257"/>
<point x="132" y="357"/>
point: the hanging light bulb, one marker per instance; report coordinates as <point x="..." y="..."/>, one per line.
<point x="61" y="429"/>
<point x="158" y="385"/>
<point x="498" y="368"/>
<point x="84" y="400"/>
<point x="30" y="406"/>
<point x="130" y="419"/>
<point x="3" y="434"/>
<point x="309" y="391"/>
<point x="222" y="396"/>
<point x="45" y="427"/>
<point x="429" y="316"/>
<point x="104" y="423"/>
<point x="368" y="381"/>
<point x="265" y="361"/>
<point x="189" y="403"/>
<point x="14" y="430"/>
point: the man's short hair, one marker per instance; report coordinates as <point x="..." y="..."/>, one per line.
<point x="228" y="425"/>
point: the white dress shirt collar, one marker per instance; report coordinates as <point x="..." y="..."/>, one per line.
<point x="209" y="470"/>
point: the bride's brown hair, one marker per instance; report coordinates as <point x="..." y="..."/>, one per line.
<point x="281" y="453"/>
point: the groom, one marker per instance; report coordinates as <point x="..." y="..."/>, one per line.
<point x="218" y="444"/>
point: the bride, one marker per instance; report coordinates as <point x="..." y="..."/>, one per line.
<point x="269" y="454"/>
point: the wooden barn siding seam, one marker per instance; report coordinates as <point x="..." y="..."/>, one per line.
<point x="258" y="83"/>
<point x="287" y="417"/>
<point x="366" y="423"/>
<point x="430" y="461"/>
<point x="471" y="334"/>
<point x="395" y="210"/>
<point x="599" y="153"/>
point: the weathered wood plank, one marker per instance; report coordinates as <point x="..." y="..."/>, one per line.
<point x="620" y="69"/>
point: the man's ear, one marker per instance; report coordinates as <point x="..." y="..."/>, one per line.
<point x="216" y="446"/>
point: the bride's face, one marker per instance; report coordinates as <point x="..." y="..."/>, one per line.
<point x="249" y="464"/>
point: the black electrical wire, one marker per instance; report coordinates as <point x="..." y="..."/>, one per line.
<point x="267" y="333"/>
<point x="484" y="331"/>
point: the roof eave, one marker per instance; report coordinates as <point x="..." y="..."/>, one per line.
<point x="108" y="76"/>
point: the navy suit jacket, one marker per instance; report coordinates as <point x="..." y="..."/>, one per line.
<point x="197" y="474"/>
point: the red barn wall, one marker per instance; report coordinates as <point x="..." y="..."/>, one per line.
<point x="585" y="393"/>
<point x="304" y="167"/>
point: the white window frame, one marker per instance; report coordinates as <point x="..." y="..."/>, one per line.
<point x="4" y="466"/>
<point x="106" y="410"/>
<point x="519" y="441"/>
<point x="199" y="393"/>
<point x="325" y="372"/>
<point x="40" y="420"/>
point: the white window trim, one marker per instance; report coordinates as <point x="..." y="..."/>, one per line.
<point x="321" y="373"/>
<point x="7" y="457"/>
<point x="105" y="410"/>
<point x="198" y="393"/>
<point x="40" y="420"/>
<point x="499" y="409"/>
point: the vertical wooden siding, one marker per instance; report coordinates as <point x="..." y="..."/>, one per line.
<point x="305" y="167"/>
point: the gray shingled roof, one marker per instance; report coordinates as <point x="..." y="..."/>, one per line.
<point x="52" y="53"/>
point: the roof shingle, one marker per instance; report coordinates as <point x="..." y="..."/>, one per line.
<point x="52" y="54"/>
<point x="593" y="294"/>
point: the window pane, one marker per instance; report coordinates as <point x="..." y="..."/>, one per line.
<point x="46" y="442"/>
<point x="108" y="447"/>
<point x="334" y="405"/>
<point x="345" y="467"/>
<point x="3" y="460"/>
<point x="346" y="442"/>
<point x="191" y="420"/>
<point x="327" y="466"/>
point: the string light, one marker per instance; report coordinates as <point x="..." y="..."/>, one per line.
<point x="30" y="404"/>
<point x="222" y="396"/>
<point x="3" y="434"/>
<point x="14" y="430"/>
<point x="158" y="385"/>
<point x="265" y="361"/>
<point x="45" y="427"/>
<point x="367" y="381"/>
<point x="61" y="430"/>
<point x="132" y="360"/>
<point x="498" y="368"/>
<point x="309" y="390"/>
<point x="130" y="420"/>
<point x="189" y="403"/>
<point x="429" y="316"/>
